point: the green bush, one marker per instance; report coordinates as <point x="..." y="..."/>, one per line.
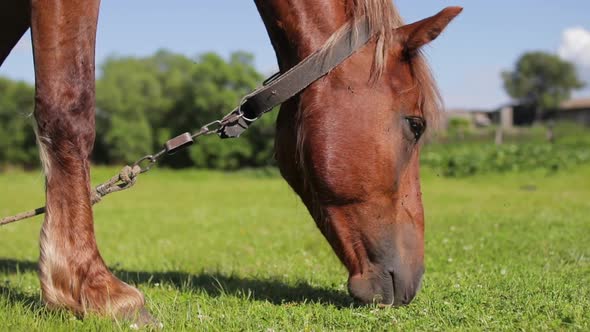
<point x="469" y="159"/>
<point x="459" y="128"/>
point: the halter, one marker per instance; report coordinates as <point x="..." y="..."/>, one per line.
<point x="281" y="87"/>
<point x="275" y="90"/>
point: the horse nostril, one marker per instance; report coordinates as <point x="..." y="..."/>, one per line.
<point x="406" y="284"/>
<point x="372" y="287"/>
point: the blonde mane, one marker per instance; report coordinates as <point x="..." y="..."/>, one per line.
<point x="383" y="18"/>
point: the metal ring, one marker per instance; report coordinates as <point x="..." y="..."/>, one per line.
<point x="241" y="114"/>
<point x="205" y="130"/>
<point x="152" y="161"/>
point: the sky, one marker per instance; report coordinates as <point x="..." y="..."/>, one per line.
<point x="487" y="38"/>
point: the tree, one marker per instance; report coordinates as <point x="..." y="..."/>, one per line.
<point x="541" y="81"/>
<point x="125" y="92"/>
<point x="215" y="87"/>
<point x="17" y="138"/>
<point x="142" y="102"/>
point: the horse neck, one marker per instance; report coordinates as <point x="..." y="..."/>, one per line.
<point x="297" y="28"/>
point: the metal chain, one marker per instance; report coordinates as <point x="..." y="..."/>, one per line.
<point x="128" y="175"/>
<point x="151" y="159"/>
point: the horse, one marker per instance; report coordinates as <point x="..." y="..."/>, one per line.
<point x="348" y="144"/>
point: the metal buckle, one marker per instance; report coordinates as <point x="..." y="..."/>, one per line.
<point x="178" y="143"/>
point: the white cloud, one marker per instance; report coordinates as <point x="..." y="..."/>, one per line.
<point x="575" y="47"/>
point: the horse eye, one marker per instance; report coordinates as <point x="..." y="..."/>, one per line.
<point x="417" y="126"/>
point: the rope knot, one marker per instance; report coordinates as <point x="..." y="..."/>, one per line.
<point x="125" y="179"/>
<point x="95" y="196"/>
<point x="128" y="174"/>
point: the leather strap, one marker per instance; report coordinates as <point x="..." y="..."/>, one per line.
<point x="280" y="89"/>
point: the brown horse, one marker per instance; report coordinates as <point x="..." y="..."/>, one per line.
<point x="348" y="144"/>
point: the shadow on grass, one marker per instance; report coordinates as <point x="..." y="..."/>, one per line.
<point x="213" y="284"/>
<point x="12" y="295"/>
<point x="216" y="284"/>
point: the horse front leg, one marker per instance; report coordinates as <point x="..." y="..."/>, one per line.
<point x="73" y="275"/>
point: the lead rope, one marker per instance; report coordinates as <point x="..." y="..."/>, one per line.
<point x="127" y="177"/>
<point x="124" y="180"/>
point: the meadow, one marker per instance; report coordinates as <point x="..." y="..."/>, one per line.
<point x="238" y="251"/>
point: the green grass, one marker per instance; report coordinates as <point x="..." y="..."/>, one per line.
<point x="215" y="251"/>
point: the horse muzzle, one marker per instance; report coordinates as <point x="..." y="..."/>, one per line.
<point x="397" y="286"/>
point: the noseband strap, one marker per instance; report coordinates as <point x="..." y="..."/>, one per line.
<point x="281" y="88"/>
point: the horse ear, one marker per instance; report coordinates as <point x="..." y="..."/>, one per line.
<point x="420" y="33"/>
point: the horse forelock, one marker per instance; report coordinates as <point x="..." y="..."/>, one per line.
<point x="383" y="18"/>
